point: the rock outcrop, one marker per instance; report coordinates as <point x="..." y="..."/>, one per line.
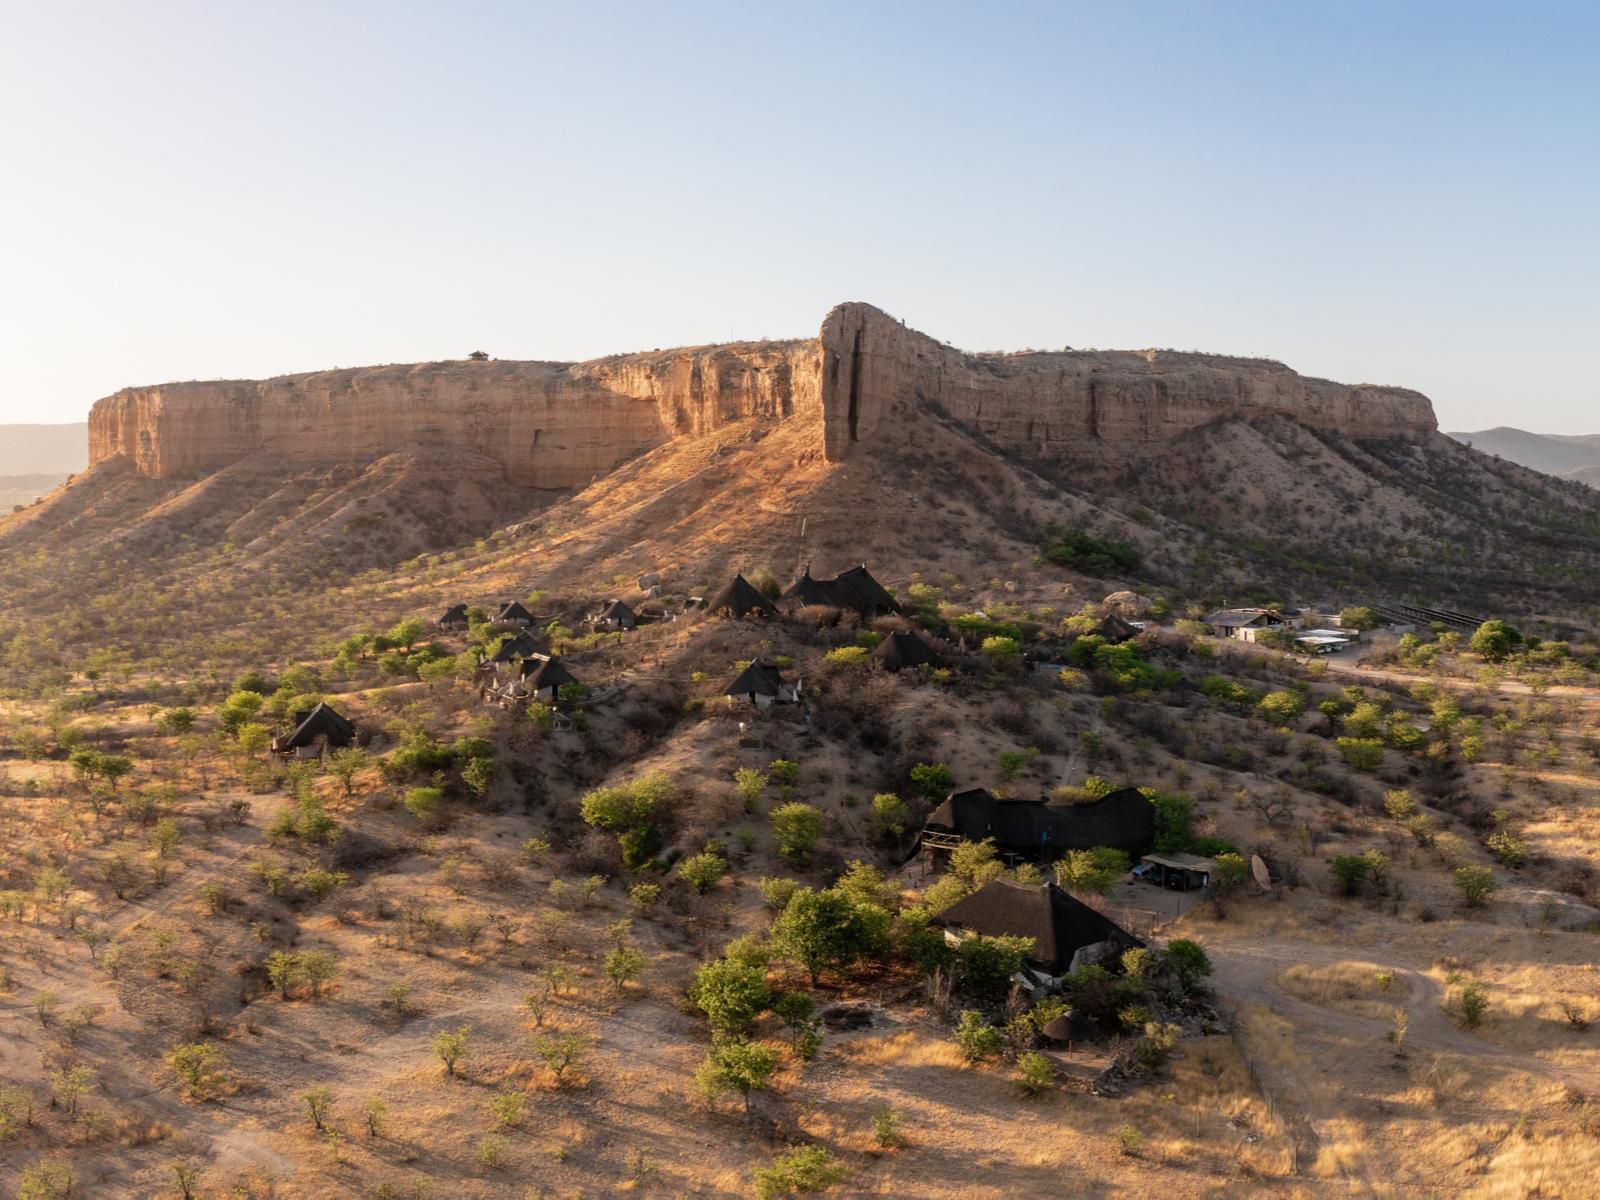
<point x="1077" y="405"/>
<point x="558" y="425"/>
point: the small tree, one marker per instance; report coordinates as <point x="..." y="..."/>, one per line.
<point x="1229" y="876"/>
<point x="701" y="871"/>
<point x="186" y="1178"/>
<point x="624" y="963"/>
<point x="731" y="994"/>
<point x="797" y="828"/>
<point x="1476" y="885"/>
<point x="886" y="1128"/>
<point x="1188" y="962"/>
<point x="423" y="802"/>
<point x="989" y="963"/>
<point x="319" y="1100"/>
<point x="69" y="1085"/>
<point x="284" y="971"/>
<point x="1011" y="762"/>
<point x="752" y="785"/>
<point x="317" y="967"/>
<point x="933" y="781"/>
<point x="1494" y="640"/>
<point x="734" y="1066"/>
<point x="506" y="1108"/>
<point x="1096" y="870"/>
<point x="47" y="1179"/>
<point x="797" y="1010"/>
<point x="1282" y="707"/>
<point x="451" y="1045"/>
<point x="1349" y="872"/>
<point x="199" y="1066"/>
<point x="1472" y="1002"/>
<point x="1358" y="617"/>
<point x="824" y="929"/>
<point x="373" y="1111"/>
<point x="345" y="763"/>
<point x="1002" y="652"/>
<point x="890" y="814"/>
<point x="1399" y="805"/>
<point x="561" y="1053"/>
<point x="1361" y="754"/>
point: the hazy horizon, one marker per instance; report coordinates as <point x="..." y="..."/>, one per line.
<point x="1366" y="194"/>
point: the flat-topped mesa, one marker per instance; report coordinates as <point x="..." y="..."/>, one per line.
<point x="550" y="425"/>
<point x="1087" y="404"/>
<point x="558" y="425"/>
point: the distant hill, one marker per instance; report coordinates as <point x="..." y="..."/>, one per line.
<point x="25" y="489"/>
<point x="44" y="449"/>
<point x="1554" y="454"/>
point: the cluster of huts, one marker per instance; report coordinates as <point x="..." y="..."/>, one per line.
<point x="523" y="668"/>
<point x="762" y="684"/>
<point x="1067" y="933"/>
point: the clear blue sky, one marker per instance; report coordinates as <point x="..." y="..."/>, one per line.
<point x="1383" y="192"/>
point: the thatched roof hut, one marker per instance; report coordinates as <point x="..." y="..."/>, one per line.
<point x="523" y="645"/>
<point x="542" y="673"/>
<point x="616" y="615"/>
<point x="740" y="599"/>
<point x="315" y="730"/>
<point x="854" y="589"/>
<point x="902" y="649"/>
<point x="762" y="683"/>
<point x="455" y="617"/>
<point x="512" y="612"/>
<point x="1059" y="924"/>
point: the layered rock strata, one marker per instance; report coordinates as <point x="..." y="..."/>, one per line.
<point x="558" y="425"/>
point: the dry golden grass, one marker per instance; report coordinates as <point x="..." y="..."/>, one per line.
<point x="1351" y="987"/>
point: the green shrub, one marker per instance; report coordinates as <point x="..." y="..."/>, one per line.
<point x="807" y="1169"/>
<point x="978" y="1039"/>
<point x="1476" y="885"/>
<point x="797" y="828"/>
<point x="848" y="656"/>
<point x="1096" y="870"/>
<point x="1069" y="547"/>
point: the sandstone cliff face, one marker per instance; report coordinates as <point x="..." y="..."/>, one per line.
<point x="1078" y="405"/>
<point x="551" y="425"/>
<point x="558" y="425"/>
